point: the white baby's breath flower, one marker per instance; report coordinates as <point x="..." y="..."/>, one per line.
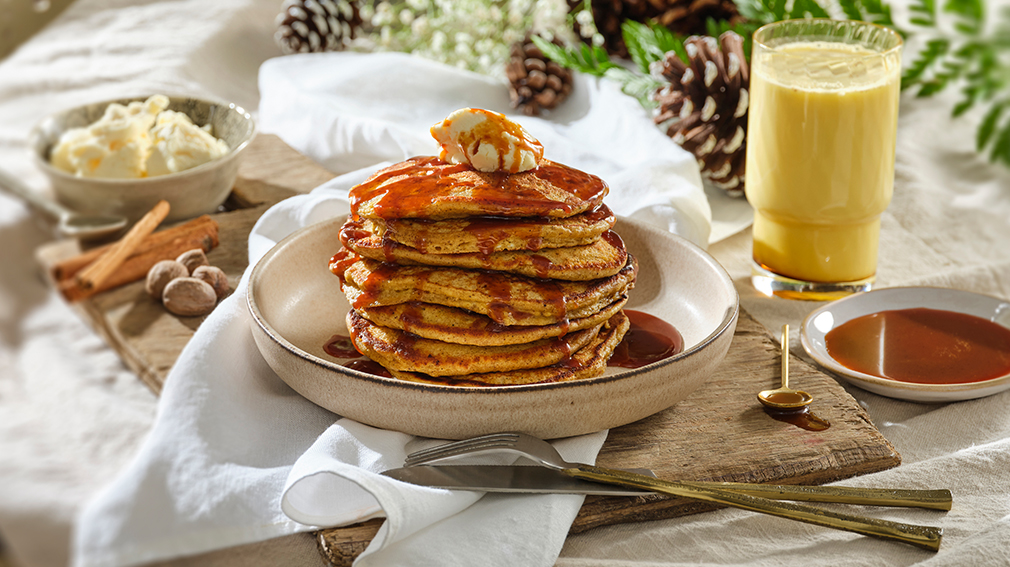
<point x="598" y="39"/>
<point x="485" y="63"/>
<point x="511" y="36"/>
<point x="419" y="26"/>
<point x="438" y="40"/>
<point x="406" y="16"/>
<point x="484" y="46"/>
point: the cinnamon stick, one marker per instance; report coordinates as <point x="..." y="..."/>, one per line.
<point x="201" y="235"/>
<point x="98" y="271"/>
<point x="203" y="225"/>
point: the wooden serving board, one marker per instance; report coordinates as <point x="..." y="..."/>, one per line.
<point x="721" y="432"/>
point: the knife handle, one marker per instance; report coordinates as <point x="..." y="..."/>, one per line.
<point x="929" y="499"/>
<point x="926" y="537"/>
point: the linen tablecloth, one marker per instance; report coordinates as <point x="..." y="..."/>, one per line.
<point x="71" y="415"/>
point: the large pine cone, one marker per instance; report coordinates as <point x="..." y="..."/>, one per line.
<point x="535" y="82"/>
<point x="311" y="26"/>
<point x="704" y="108"/>
<point x="683" y="17"/>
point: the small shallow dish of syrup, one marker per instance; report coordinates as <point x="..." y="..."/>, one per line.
<point x="922" y="344"/>
<point x="298" y="314"/>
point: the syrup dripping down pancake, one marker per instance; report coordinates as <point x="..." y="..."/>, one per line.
<point x="485" y="235"/>
<point x="587" y="362"/>
<point x="508" y="299"/>
<point x="602" y="258"/>
<point x="453" y="325"/>
<point x="428" y="188"/>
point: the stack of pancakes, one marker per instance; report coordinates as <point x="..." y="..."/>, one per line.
<point x="470" y="278"/>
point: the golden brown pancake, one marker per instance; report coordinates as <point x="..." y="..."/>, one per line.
<point x="602" y="258"/>
<point x="485" y="235"/>
<point x="587" y="362"/>
<point x="397" y="350"/>
<point x="452" y="325"/>
<point x="508" y="299"/>
<point x="428" y="188"/>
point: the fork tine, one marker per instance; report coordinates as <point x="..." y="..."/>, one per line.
<point x="483" y="439"/>
<point x="484" y="442"/>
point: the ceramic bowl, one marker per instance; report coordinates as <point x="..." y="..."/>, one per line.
<point x="818" y="323"/>
<point x="297" y="306"/>
<point x="191" y="193"/>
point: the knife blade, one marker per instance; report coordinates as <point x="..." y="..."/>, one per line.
<point x="514" y="478"/>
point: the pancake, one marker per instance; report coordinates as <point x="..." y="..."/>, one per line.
<point x="485" y="235"/>
<point x="452" y="325"/>
<point x="428" y="188"/>
<point x="602" y="258"/>
<point x="397" y="350"/>
<point x="588" y="362"/>
<point x="508" y="299"/>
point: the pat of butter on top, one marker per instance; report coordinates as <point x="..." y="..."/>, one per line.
<point x="487" y="141"/>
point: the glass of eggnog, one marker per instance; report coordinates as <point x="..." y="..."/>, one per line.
<point x="820" y="153"/>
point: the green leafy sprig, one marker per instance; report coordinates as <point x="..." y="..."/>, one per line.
<point x="976" y="60"/>
<point x="594" y="60"/>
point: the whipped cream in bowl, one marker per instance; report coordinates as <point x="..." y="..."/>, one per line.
<point x="122" y="156"/>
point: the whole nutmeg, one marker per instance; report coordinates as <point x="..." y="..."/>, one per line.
<point x="192" y="259"/>
<point x="189" y="297"/>
<point x="160" y="274"/>
<point x="215" y="277"/>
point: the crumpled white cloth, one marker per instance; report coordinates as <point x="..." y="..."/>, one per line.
<point x="236" y="456"/>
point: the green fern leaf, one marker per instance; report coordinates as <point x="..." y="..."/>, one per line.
<point x="851" y="9"/>
<point x="988" y="126"/>
<point x="592" y="60"/>
<point x="923" y="13"/>
<point x="1001" y="147"/>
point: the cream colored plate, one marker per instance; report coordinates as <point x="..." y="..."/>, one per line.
<point x="819" y="322"/>
<point x="297" y="306"/>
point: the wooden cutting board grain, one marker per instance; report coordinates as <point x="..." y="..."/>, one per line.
<point x="721" y="432"/>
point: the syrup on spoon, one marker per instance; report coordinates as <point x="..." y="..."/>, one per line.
<point x="784" y="397"/>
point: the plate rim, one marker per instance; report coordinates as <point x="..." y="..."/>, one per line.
<point x="728" y="320"/>
<point x="931" y="392"/>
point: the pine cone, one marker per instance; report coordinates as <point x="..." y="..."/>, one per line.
<point x="704" y="108"/>
<point x="535" y="82"/>
<point x="683" y="17"/>
<point x="311" y="26"/>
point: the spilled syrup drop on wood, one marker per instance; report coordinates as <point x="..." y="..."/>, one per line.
<point x="802" y="418"/>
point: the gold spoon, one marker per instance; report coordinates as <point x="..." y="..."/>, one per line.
<point x="785" y="398"/>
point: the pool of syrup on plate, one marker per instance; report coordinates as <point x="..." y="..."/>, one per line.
<point x="922" y="346"/>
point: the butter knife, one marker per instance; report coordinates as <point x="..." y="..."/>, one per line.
<point x="494" y="478"/>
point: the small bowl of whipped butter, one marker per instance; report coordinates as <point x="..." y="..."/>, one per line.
<point x="121" y="157"/>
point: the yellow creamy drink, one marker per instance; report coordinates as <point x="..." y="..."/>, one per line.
<point x="820" y="156"/>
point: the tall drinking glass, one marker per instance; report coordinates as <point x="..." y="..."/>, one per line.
<point x="820" y="153"/>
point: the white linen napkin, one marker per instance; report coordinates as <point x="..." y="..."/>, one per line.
<point x="236" y="456"/>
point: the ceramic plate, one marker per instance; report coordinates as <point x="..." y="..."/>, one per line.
<point x="297" y="307"/>
<point x="818" y="323"/>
